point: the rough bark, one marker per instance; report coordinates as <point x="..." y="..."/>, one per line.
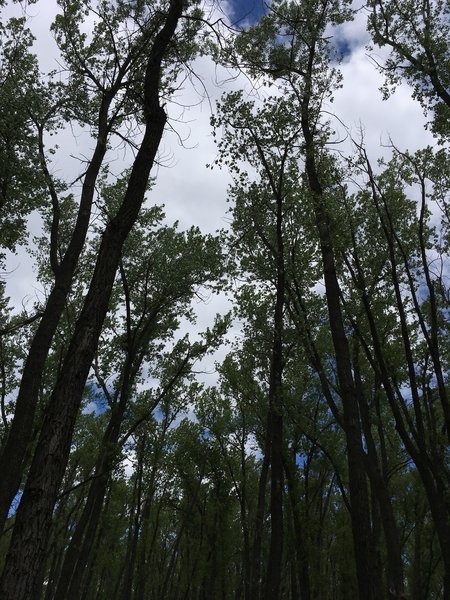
<point x="30" y="534"/>
<point x="14" y="449"/>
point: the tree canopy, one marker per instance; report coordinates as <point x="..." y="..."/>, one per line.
<point x="295" y="445"/>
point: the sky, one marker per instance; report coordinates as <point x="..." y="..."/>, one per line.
<point x="195" y="195"/>
<point x="247" y="10"/>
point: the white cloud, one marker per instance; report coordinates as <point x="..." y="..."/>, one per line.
<point x="195" y="195"/>
<point x="359" y="104"/>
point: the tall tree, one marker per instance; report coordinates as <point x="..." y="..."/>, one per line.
<point x="290" y="46"/>
<point x="417" y="35"/>
<point x="97" y="95"/>
<point x="30" y="534"/>
<point x="160" y="270"/>
<point x="260" y="223"/>
<point x="409" y="243"/>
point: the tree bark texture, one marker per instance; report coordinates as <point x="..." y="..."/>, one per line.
<point x="29" y="540"/>
<point x="14" y="449"/>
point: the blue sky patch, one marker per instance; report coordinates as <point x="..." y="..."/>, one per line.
<point x="248" y="11"/>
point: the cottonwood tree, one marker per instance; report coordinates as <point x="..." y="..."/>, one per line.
<point x="159" y="273"/>
<point x="410" y="286"/>
<point x="261" y="216"/>
<point x="291" y="49"/>
<point x="417" y="36"/>
<point x="22" y="185"/>
<point x="290" y="46"/>
<point x="113" y="74"/>
<point x="331" y="411"/>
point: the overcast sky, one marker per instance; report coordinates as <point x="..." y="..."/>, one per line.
<point x="195" y="195"/>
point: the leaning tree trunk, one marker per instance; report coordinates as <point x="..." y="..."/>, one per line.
<point x="30" y="535"/>
<point x="14" y="449"/>
<point x="80" y="548"/>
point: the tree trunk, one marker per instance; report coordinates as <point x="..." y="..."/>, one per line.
<point x="133" y="535"/>
<point x="80" y="547"/>
<point x="259" y="526"/>
<point x="427" y="461"/>
<point x="275" y="422"/>
<point x="379" y="490"/>
<point x="14" y="448"/>
<point x="359" y="499"/>
<point x="29" y="541"/>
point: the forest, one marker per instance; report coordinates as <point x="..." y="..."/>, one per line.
<point x="295" y="447"/>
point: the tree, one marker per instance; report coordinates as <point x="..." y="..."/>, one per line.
<point x="21" y="179"/>
<point x="407" y="266"/>
<point x="260" y="207"/>
<point x="19" y="577"/>
<point x="317" y="464"/>
<point x="299" y="60"/>
<point x="160" y="270"/>
<point x="417" y="36"/>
